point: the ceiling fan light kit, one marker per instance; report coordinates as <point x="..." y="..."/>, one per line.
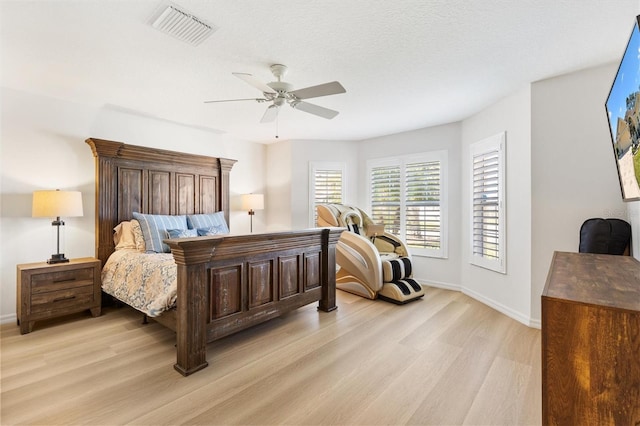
<point x="280" y="92"/>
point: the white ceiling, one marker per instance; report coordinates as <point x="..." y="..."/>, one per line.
<point x="405" y="64"/>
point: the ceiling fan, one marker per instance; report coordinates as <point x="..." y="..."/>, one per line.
<point x="279" y="92"/>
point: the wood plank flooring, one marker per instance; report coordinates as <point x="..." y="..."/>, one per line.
<point x="443" y="360"/>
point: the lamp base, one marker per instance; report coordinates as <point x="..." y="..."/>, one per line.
<point x="57" y="258"/>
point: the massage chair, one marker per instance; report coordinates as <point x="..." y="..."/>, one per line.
<point x="372" y="263"/>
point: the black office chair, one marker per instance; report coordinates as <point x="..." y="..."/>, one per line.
<point x="605" y="236"/>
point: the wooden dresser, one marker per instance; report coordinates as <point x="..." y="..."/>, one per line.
<point x="591" y="340"/>
<point x="51" y="290"/>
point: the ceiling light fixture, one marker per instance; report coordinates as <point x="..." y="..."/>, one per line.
<point x="182" y="25"/>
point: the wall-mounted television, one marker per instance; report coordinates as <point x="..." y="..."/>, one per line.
<point x="623" y="113"/>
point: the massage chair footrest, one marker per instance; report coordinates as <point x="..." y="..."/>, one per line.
<point x="401" y="291"/>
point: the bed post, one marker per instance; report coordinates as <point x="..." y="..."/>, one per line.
<point x="330" y="238"/>
<point x="225" y="169"/>
<point x="191" y="321"/>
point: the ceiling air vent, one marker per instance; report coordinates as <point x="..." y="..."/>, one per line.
<point x="182" y="25"/>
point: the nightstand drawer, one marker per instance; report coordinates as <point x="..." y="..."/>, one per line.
<point x="59" y="299"/>
<point x="52" y="281"/>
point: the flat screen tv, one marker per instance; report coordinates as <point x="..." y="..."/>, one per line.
<point x="623" y="113"/>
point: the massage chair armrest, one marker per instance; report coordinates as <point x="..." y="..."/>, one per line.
<point x="389" y="243"/>
<point x="361" y="258"/>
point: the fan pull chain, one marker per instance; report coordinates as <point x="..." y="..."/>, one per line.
<point x="277" y="116"/>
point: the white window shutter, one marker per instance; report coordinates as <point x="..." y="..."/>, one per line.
<point x="488" y="242"/>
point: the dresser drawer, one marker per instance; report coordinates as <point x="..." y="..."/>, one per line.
<point x="54" y="281"/>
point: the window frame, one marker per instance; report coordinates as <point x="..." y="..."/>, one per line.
<point x="485" y="146"/>
<point x="402" y="162"/>
<point x="315" y="166"/>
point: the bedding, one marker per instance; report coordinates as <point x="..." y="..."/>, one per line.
<point x="144" y="281"/>
<point x="154" y="229"/>
<point x="208" y="221"/>
<point x="211" y="230"/>
<point x="128" y="235"/>
<point x="181" y="233"/>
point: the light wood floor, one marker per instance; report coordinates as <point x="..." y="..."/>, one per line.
<point x="446" y="359"/>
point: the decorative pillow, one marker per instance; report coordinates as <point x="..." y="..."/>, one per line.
<point x="201" y="221"/>
<point x="137" y="236"/>
<point x="154" y="227"/>
<point x="212" y="230"/>
<point x="123" y="236"/>
<point x="181" y="233"/>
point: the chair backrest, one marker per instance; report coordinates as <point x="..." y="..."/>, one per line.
<point x="605" y="236"/>
<point x="341" y="215"/>
<point x="358" y="222"/>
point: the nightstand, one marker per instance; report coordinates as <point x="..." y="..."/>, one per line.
<point x="51" y="290"/>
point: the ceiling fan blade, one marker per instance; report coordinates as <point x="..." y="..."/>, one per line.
<point x="326" y="89"/>
<point x="236" y="100"/>
<point x="248" y="78"/>
<point x="270" y="114"/>
<point x="315" y="109"/>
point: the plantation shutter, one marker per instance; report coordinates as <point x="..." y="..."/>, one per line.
<point x="422" y="205"/>
<point x="488" y="242"/>
<point x="486" y="205"/>
<point x="386" y="196"/>
<point x="326" y="188"/>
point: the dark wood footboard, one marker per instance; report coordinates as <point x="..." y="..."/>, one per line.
<point x="229" y="283"/>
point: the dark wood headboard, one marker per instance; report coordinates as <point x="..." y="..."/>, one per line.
<point x="148" y="180"/>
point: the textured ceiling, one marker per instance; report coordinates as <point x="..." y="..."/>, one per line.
<point x="405" y="64"/>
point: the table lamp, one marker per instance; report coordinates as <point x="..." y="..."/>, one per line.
<point x="252" y="202"/>
<point x="57" y="204"/>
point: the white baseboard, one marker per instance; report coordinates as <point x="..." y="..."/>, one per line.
<point x="518" y="316"/>
<point x="5" y="319"/>
<point x="511" y="313"/>
<point x="439" y="284"/>
<point x="535" y="323"/>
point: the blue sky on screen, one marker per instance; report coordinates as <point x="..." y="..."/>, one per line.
<point x="626" y="82"/>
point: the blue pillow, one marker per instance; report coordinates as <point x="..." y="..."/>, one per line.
<point x="154" y="227"/>
<point x="201" y="221"/>
<point x="181" y="233"/>
<point x="212" y="230"/>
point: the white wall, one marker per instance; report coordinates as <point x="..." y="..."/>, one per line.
<point x="288" y="172"/>
<point x="278" y="196"/>
<point x="574" y="175"/>
<point x="510" y="292"/>
<point x="440" y="272"/>
<point x="43" y="148"/>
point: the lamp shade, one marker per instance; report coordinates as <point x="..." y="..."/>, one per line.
<point x="252" y="202"/>
<point x="57" y="204"/>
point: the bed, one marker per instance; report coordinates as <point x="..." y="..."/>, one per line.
<point x="225" y="283"/>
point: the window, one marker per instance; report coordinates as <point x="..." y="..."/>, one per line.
<point x="408" y="196"/>
<point x="487" y="203"/>
<point x="326" y="181"/>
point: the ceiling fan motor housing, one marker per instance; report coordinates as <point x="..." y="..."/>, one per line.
<point x="282" y="88"/>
